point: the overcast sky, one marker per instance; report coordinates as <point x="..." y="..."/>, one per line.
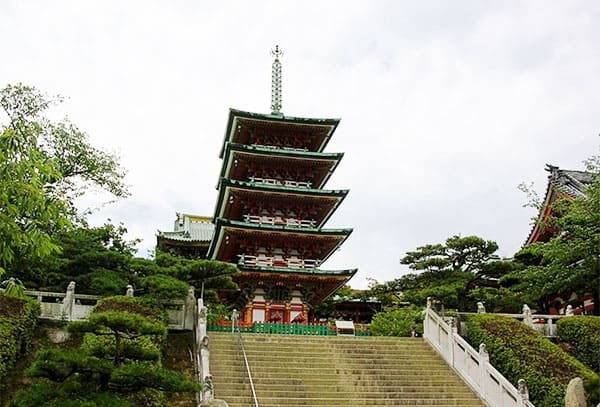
<point x="446" y="106"/>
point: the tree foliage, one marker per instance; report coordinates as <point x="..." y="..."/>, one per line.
<point x="101" y="261"/>
<point x="457" y="273"/>
<point x="44" y="166"/>
<point x="118" y="361"/>
<point x="209" y="274"/>
<point x="570" y="261"/>
<point x="398" y="322"/>
<point x="98" y="259"/>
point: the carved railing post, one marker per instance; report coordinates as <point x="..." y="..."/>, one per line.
<point x="527" y="317"/>
<point x="189" y="309"/>
<point x="452" y="341"/>
<point x="484" y="359"/>
<point x="204" y="375"/>
<point x="234" y="318"/>
<point x="68" y="302"/>
<point x="129" y="291"/>
<point x="523" y="392"/>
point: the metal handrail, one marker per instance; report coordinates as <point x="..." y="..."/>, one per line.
<point x="234" y="318"/>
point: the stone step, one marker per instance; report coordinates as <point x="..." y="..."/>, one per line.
<point x="357" y="388"/>
<point x="334" y="380"/>
<point x="246" y="401"/>
<point x="374" y="394"/>
<point x="324" y="341"/>
<point x="260" y="370"/>
<point x="318" y="354"/>
<point x="282" y="361"/>
<point x="321" y="340"/>
<point x="357" y="380"/>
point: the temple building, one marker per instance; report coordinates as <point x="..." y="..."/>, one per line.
<point x="562" y="184"/>
<point x="567" y="184"/>
<point x="190" y="238"/>
<point x="271" y="211"/>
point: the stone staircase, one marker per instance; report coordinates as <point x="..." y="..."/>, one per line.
<point x="334" y="371"/>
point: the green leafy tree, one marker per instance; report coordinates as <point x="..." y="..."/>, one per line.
<point x="44" y="166"/>
<point x="398" y="322"/>
<point x="98" y="259"/>
<point x="570" y="261"/>
<point x="457" y="273"/>
<point x="210" y="274"/>
<point x="101" y="261"/>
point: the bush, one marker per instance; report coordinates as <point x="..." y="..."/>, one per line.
<point x="70" y="394"/>
<point x="18" y="319"/>
<point x="135" y="305"/>
<point x="520" y="352"/>
<point x="582" y="334"/>
<point x="398" y="322"/>
<point x="134" y="377"/>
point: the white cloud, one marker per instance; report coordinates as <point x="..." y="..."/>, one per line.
<point x="445" y="107"/>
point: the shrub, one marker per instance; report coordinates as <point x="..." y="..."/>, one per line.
<point x="398" y="322"/>
<point x="518" y="351"/>
<point x="217" y="311"/>
<point x="70" y="394"/>
<point x="137" y="376"/>
<point x="135" y="305"/>
<point x="18" y="319"/>
<point x="582" y="334"/>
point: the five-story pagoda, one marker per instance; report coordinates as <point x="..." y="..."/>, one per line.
<point x="272" y="207"/>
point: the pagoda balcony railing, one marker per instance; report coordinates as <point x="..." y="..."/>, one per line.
<point x="279" y="221"/>
<point x="276" y="261"/>
<point x="279" y="182"/>
<point x="279" y="148"/>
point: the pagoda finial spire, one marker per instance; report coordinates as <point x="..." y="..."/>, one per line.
<point x="276" y="81"/>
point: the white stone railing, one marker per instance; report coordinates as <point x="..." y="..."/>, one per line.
<point x="273" y="261"/>
<point x="545" y="324"/>
<point x="279" y="221"/>
<point x="70" y="306"/>
<point x="473" y="366"/>
<point x="280" y="182"/>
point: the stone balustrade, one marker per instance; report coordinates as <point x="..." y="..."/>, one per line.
<point x="472" y="365"/>
<point x="70" y="306"/>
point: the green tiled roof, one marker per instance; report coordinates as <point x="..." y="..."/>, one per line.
<point x="348" y="272"/>
<point x="282" y="188"/>
<point x="190" y="231"/>
<point x="234" y="113"/>
<point x="277" y="228"/>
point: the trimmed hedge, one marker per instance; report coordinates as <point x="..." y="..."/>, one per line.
<point x="582" y="334"/>
<point x="18" y="319"/>
<point x="520" y="352"/>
